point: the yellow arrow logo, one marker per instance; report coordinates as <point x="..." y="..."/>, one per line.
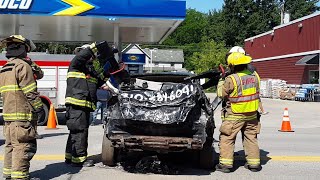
<point x="78" y="7"/>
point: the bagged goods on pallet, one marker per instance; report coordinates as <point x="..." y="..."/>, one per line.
<point x="277" y="86"/>
<point x="287" y="94"/>
<point x="265" y="88"/>
<point x="271" y="88"/>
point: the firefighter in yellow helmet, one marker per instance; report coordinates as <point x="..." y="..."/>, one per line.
<point x="250" y="68"/>
<point x="21" y="104"/>
<point x="240" y="91"/>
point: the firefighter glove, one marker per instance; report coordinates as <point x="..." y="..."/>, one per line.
<point x="93" y="48"/>
<point x="39" y="111"/>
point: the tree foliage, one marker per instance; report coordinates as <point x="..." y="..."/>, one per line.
<point x="201" y="35"/>
<point x="56" y="48"/>
<point x="299" y="8"/>
<point x="192" y="30"/>
<point x="211" y="55"/>
<point x="246" y="18"/>
<point x="215" y="30"/>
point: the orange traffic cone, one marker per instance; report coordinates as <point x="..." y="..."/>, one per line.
<point x="286" y="126"/>
<point x="52" y="119"/>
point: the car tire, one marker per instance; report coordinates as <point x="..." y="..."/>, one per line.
<point x="43" y="118"/>
<point x="108" y="154"/>
<point x="206" y="157"/>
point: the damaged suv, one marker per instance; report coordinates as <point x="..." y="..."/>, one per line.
<point x="161" y="113"/>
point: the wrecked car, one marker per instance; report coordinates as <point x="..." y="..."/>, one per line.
<point x="161" y="113"/>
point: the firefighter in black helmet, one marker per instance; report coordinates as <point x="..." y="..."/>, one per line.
<point x="85" y="75"/>
<point x="21" y="104"/>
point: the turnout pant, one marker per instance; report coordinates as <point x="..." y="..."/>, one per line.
<point x="228" y="134"/>
<point x="20" y="147"/>
<point x="77" y="143"/>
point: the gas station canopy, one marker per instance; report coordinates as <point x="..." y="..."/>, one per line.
<point x="126" y="21"/>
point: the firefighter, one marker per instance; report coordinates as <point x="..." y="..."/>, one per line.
<point x="240" y="91"/>
<point x="252" y="69"/>
<point x="37" y="74"/>
<point x="21" y="104"/>
<point x="85" y="75"/>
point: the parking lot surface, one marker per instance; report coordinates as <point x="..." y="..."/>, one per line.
<point x="293" y="155"/>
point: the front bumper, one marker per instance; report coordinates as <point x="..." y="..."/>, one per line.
<point x="156" y="143"/>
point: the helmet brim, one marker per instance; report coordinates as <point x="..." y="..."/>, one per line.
<point x="245" y="60"/>
<point x="32" y="46"/>
<point x="13" y="39"/>
<point x="237" y="58"/>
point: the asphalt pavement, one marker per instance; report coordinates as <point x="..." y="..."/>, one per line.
<point x="294" y="155"/>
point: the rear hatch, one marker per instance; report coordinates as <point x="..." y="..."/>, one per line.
<point x="158" y="104"/>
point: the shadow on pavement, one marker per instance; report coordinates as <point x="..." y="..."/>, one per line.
<point x="53" y="135"/>
<point x="56" y="170"/>
<point x="165" y="164"/>
<point x="240" y="158"/>
<point x="96" y="158"/>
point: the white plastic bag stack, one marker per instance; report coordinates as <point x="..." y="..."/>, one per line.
<point x="277" y="86"/>
<point x="264" y="88"/>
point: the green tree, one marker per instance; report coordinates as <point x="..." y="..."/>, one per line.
<point x="192" y="30"/>
<point x="56" y="48"/>
<point x="211" y="55"/>
<point x="187" y="36"/>
<point x="264" y="16"/>
<point x="300" y="8"/>
<point x="216" y="26"/>
<point x="246" y="18"/>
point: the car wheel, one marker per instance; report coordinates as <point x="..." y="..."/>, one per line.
<point x="206" y="157"/>
<point x="43" y="117"/>
<point x="108" y="154"/>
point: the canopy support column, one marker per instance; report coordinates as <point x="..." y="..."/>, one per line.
<point x="117" y="41"/>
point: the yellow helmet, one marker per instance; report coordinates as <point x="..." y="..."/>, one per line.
<point x="18" y="39"/>
<point x="237" y="58"/>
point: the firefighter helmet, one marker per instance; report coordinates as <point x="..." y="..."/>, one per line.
<point x="237" y="49"/>
<point x="78" y="49"/>
<point x="238" y="58"/>
<point x="18" y="39"/>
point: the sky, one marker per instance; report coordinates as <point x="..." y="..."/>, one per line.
<point x="204" y="5"/>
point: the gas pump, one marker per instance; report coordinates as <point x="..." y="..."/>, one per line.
<point x="134" y="62"/>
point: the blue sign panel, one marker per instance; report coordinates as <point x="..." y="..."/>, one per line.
<point x="111" y="8"/>
<point x="134" y="58"/>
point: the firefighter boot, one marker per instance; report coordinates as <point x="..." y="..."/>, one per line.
<point x="67" y="161"/>
<point x="223" y="168"/>
<point x="252" y="168"/>
<point x="86" y="163"/>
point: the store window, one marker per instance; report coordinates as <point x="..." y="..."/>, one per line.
<point x="313" y="77"/>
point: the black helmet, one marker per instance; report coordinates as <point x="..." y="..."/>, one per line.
<point x="18" y="39"/>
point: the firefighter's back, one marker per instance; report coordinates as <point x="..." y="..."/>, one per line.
<point x="15" y="105"/>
